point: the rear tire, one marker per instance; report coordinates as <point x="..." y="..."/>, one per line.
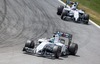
<point x="73" y="48"/>
<point x="86" y="18"/>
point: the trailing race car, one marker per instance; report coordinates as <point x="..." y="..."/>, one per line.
<point x="72" y="13"/>
<point x="53" y="47"/>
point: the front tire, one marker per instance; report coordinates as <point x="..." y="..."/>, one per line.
<point x="59" y="10"/>
<point x="64" y="14"/>
<point x="29" y="45"/>
<point x="57" y="51"/>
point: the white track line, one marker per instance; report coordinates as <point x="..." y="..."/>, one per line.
<point x="89" y="20"/>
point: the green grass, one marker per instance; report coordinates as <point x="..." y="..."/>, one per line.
<point x="92" y="7"/>
<point x="93" y="4"/>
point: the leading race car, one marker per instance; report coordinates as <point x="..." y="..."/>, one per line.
<point x="53" y="47"/>
<point x="72" y="13"/>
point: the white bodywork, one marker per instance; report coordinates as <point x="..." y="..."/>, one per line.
<point x="76" y="15"/>
<point x="73" y="10"/>
<point x="46" y="41"/>
<point x="41" y="46"/>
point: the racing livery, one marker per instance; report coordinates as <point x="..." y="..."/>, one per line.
<point x="54" y="47"/>
<point x="72" y="13"/>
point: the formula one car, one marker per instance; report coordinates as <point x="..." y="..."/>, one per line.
<point x="53" y="47"/>
<point x="72" y="13"/>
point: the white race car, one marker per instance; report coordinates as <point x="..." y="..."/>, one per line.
<point x="72" y="13"/>
<point x="54" y="47"/>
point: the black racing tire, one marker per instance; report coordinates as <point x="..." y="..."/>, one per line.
<point x="30" y="45"/>
<point x="73" y="48"/>
<point x="86" y="18"/>
<point x="59" y="10"/>
<point x="27" y="45"/>
<point x="64" y="14"/>
<point x="57" y="51"/>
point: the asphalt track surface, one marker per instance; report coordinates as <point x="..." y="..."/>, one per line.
<point x="33" y="19"/>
